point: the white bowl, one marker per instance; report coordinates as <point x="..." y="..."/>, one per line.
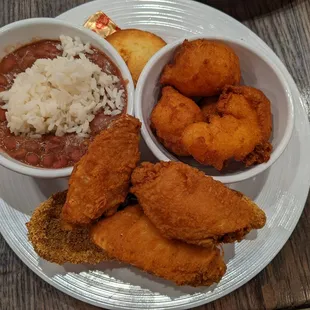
<point x="257" y="70"/>
<point x="22" y="32"/>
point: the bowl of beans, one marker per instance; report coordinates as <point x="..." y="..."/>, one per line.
<point x="60" y="85"/>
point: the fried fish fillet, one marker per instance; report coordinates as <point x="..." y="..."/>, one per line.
<point x="100" y="180"/>
<point x="131" y="238"/>
<point x="202" y="68"/>
<point x="136" y="48"/>
<point x="57" y="245"/>
<point x="185" y="204"/>
<point x="170" y="117"/>
<point x="240" y="130"/>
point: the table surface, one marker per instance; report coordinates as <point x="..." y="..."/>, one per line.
<point x="285" y="283"/>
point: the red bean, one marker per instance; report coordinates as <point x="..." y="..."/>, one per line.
<point x="2" y="89"/>
<point x="48" y="160"/>
<point x="61" y="162"/>
<point x="10" y="143"/>
<point x="100" y="122"/>
<point x="6" y="131"/>
<point x="55" y="139"/>
<point x="8" y="63"/>
<point x="32" y="159"/>
<point x="76" y="155"/>
<point x="47" y="49"/>
<point x="100" y="61"/>
<point x="32" y="146"/>
<point x="27" y="61"/>
<point x="69" y="149"/>
<point x="20" y="154"/>
<point x="51" y="147"/>
<point x="2" y="115"/>
<point x="3" y="80"/>
<point x="54" y="144"/>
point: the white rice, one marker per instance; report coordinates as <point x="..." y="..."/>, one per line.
<point x="61" y="95"/>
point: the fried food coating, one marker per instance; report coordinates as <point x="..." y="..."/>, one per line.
<point x="57" y="245"/>
<point x="130" y="237"/>
<point x="202" y="68"/>
<point x="100" y="180"/>
<point x="224" y="138"/>
<point x="170" y="117"/>
<point x="208" y="107"/>
<point x="185" y="204"/>
<point x="256" y="99"/>
<point x="261" y="154"/>
<point x="136" y="48"/>
<point x="243" y="125"/>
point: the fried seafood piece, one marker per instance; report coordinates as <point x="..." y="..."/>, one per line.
<point x="256" y="99"/>
<point x="261" y="154"/>
<point x="208" y="107"/>
<point x="100" y="180"/>
<point x="136" y="48"/>
<point x="224" y="138"/>
<point x="57" y="245"/>
<point x="185" y="204"/>
<point x="202" y="68"/>
<point x="242" y="127"/>
<point x="130" y="237"/>
<point x="170" y="117"/>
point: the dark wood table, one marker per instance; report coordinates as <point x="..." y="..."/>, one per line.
<point x="285" y="283"/>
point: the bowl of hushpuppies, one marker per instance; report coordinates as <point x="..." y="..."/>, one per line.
<point x="216" y="104"/>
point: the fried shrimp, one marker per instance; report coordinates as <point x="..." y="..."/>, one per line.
<point x="170" y="117"/>
<point x="240" y="129"/>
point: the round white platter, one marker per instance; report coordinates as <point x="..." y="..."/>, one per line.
<point x="281" y="191"/>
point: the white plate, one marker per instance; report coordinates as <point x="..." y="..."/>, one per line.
<point x="281" y="191"/>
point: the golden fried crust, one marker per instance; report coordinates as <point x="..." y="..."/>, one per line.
<point x="202" y="68"/>
<point x="257" y="100"/>
<point x="170" y="117"/>
<point x="224" y="138"/>
<point x="131" y="238"/>
<point x="56" y="245"/>
<point x="208" y="107"/>
<point x="261" y="154"/>
<point x="185" y="204"/>
<point x="100" y="180"/>
<point x="241" y="126"/>
<point x="136" y="48"/>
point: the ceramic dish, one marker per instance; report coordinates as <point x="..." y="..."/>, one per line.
<point x="22" y="32"/>
<point x="257" y="71"/>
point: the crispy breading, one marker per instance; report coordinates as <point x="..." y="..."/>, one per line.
<point x="257" y="101"/>
<point x="202" y="68"/>
<point x="208" y="106"/>
<point x="224" y="138"/>
<point x="57" y="245"/>
<point x="261" y="154"/>
<point x="136" y="48"/>
<point x="170" y="117"/>
<point x="185" y="204"/>
<point x="131" y="238"/>
<point x="100" y="180"/>
<point x="242" y="124"/>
